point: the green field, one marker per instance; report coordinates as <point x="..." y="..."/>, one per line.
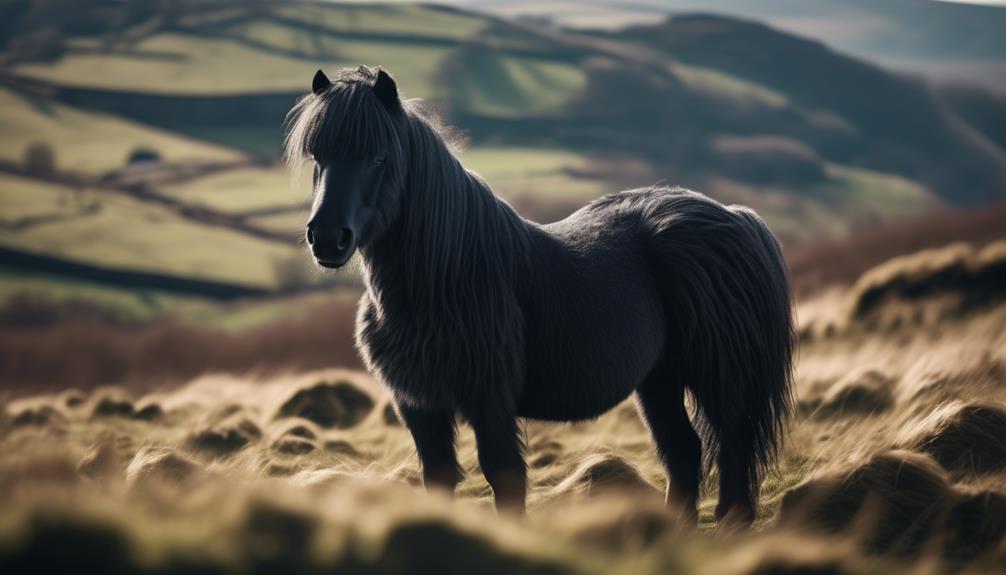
<point x="495" y="73"/>
<point x="723" y="85"/>
<point x="266" y="53"/>
<point x="243" y="189"/>
<point x="205" y="65"/>
<point x="89" y="142"/>
<point x="131" y="234"/>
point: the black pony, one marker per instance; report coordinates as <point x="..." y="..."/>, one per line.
<point x="471" y="309"/>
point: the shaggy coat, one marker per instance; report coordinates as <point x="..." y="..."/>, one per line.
<point x="471" y="309"/>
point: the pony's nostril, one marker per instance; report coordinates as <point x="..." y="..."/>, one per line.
<point x="310" y="236"/>
<point x="345" y="238"/>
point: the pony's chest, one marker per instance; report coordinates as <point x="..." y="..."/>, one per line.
<point x="417" y="363"/>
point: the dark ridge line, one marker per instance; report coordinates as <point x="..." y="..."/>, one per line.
<point x="123" y="278"/>
<point x="26" y="222"/>
<point x="144" y="193"/>
<point x="156" y="56"/>
<point x="561" y="55"/>
<point x="274" y="210"/>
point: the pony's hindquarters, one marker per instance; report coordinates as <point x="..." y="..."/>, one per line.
<point x="730" y="332"/>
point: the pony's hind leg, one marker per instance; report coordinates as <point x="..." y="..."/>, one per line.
<point x="737" y="466"/>
<point x="500" y="450"/>
<point x="661" y="402"/>
<point x="434" y="433"/>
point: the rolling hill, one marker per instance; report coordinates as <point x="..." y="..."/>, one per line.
<point x="942" y="41"/>
<point x="819" y="142"/>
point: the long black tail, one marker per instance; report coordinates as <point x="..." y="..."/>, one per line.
<point x="731" y="338"/>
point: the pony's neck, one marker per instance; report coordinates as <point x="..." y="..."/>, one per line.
<point x="452" y="236"/>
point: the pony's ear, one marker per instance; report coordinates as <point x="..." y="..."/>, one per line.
<point x="320" y="82"/>
<point x="386" y="91"/>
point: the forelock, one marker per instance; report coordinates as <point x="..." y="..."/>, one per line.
<point x="344" y="121"/>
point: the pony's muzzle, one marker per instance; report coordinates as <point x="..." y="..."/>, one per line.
<point x="332" y="246"/>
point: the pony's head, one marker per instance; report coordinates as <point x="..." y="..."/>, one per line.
<point x="352" y="130"/>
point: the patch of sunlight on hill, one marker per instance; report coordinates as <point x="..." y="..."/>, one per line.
<point x="24" y="198"/>
<point x="546" y="173"/>
<point x="719" y="83"/>
<point x="399" y="20"/>
<point x="276" y="50"/>
<point x="876" y="195"/>
<point x="848" y="199"/>
<point x="487" y="81"/>
<point x="88" y="141"/>
<point x="173" y="63"/>
<point x="243" y="189"/>
<point x="548" y="85"/>
<point x="130" y="234"/>
<point x="291" y="222"/>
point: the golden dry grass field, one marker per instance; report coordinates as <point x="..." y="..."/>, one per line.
<point x="895" y="461"/>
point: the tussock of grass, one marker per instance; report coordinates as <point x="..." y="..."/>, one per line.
<point x="599" y="473"/>
<point x="72" y="398"/>
<point x="968" y="437"/>
<point x="149" y="412"/>
<point x="153" y="465"/>
<point x="111" y="404"/>
<point x="901" y="503"/>
<point x="340" y="404"/>
<point x="101" y="462"/>
<point x="619" y="523"/>
<point x="977" y="276"/>
<point x="227" y="437"/>
<point x="862" y="393"/>
<point x="890" y="501"/>
<point x="389" y="415"/>
<point x="341" y="447"/>
<point x="302" y="428"/>
<point x="42" y="415"/>
<point x="294" y="446"/>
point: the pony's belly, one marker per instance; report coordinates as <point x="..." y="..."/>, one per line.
<point x="568" y="400"/>
<point x="582" y="364"/>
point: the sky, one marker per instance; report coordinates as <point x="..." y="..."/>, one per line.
<point x="992" y="2"/>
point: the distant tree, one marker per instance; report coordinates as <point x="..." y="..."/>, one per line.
<point x="143" y="156"/>
<point x="40" y="158"/>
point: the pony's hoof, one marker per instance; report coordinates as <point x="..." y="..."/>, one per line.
<point x="734" y="519"/>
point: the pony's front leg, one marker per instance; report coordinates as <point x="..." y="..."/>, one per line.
<point x="500" y="448"/>
<point x="434" y="433"/>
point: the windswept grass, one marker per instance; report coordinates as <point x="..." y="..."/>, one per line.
<point x="890" y="466"/>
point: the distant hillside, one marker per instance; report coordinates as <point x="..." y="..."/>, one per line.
<point x="885" y="122"/>
<point x="943" y="41"/>
<point x="144" y="132"/>
<point x="695" y="95"/>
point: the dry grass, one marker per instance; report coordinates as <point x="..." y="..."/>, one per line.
<point x="816" y="266"/>
<point x="87" y="350"/>
<point x="977" y="277"/>
<point x="891" y="465"/>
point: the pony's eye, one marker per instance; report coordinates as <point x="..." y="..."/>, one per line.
<point x="379" y="158"/>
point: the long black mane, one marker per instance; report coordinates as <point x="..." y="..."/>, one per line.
<point x="456" y="245"/>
